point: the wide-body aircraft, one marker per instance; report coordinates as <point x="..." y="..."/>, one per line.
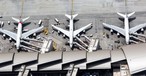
<point x="71" y="34"/>
<point x="126" y="31"/>
<point x="20" y="35"/>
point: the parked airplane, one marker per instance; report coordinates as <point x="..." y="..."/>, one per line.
<point x="126" y="31"/>
<point x="19" y="35"/>
<point x="71" y="33"/>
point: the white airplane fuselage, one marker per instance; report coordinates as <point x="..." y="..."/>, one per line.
<point x="19" y="33"/>
<point x="71" y="30"/>
<point x="126" y="24"/>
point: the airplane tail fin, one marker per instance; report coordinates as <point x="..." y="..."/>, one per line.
<point x="16" y="19"/>
<point x="71" y="16"/>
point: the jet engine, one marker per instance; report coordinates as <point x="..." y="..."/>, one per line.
<point x="64" y="36"/>
<point x="142" y="29"/>
<point x="84" y="31"/>
<point x="118" y="34"/>
<point x="111" y="30"/>
<point x="78" y="35"/>
<point x="58" y="32"/>
<point x="10" y="39"/>
<point x="34" y="34"/>
<point x="4" y="35"/>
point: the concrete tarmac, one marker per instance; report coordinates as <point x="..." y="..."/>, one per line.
<point x="60" y="7"/>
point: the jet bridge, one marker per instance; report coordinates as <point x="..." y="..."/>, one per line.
<point x="72" y="71"/>
<point x="23" y="71"/>
<point x="141" y="40"/>
<point x="87" y="38"/>
<point x="94" y="44"/>
<point x="47" y="46"/>
<point x="124" y="70"/>
<point x="28" y="48"/>
<point x="136" y="34"/>
<point x="81" y="46"/>
<point x="85" y="45"/>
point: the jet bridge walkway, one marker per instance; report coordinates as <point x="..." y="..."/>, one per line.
<point x="47" y="46"/>
<point x="94" y="44"/>
<point x="72" y="71"/>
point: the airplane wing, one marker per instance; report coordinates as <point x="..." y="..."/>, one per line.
<point x="61" y="30"/>
<point x="81" y="29"/>
<point x="120" y="30"/>
<point x="26" y="34"/>
<point x="136" y="28"/>
<point x="9" y="33"/>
